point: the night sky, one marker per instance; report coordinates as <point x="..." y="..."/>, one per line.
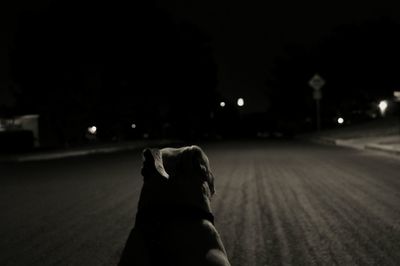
<point x="246" y="35"/>
<point x="249" y="34"/>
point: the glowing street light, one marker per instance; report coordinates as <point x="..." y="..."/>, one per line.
<point x="396" y="95"/>
<point x="240" y="102"/>
<point x="133" y="126"/>
<point x="340" y="120"/>
<point x="222" y="104"/>
<point x="92" y="130"/>
<point x="383" y="105"/>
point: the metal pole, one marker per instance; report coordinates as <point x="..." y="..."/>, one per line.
<point x="318" y="111"/>
<point x="397" y="100"/>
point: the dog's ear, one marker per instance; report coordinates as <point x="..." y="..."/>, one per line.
<point x="153" y="164"/>
<point x="202" y="165"/>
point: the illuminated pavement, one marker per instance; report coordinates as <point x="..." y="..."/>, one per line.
<point x="277" y="203"/>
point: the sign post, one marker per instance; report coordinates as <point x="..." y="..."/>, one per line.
<point x="317" y="82"/>
<point x="396" y="95"/>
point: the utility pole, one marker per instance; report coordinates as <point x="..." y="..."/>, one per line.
<point x="317" y="82"/>
<point x="318" y="113"/>
<point x="396" y="95"/>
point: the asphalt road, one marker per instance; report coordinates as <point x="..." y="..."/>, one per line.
<point x="277" y="203"/>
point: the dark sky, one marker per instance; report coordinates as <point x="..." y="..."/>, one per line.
<point x="9" y="13"/>
<point x="247" y="35"/>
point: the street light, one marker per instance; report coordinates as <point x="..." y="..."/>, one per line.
<point x="340" y="120"/>
<point x="240" y="102"/>
<point x="383" y="105"/>
<point x="222" y="104"/>
<point x="92" y="130"/>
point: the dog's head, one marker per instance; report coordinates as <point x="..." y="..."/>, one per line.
<point x="185" y="168"/>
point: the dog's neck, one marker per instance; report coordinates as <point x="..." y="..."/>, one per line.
<point x="156" y="207"/>
<point x="156" y="196"/>
<point x="196" y="197"/>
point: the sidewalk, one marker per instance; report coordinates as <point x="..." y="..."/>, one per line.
<point x="82" y="151"/>
<point x="382" y="134"/>
<point x="389" y="144"/>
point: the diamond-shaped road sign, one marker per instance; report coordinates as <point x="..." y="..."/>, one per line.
<point x="316" y="82"/>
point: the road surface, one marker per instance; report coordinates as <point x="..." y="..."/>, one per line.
<point x="277" y="203"/>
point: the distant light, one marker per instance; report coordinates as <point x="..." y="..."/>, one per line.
<point x="383" y="105"/>
<point x="133" y="126"/>
<point x="222" y="104"/>
<point x="396" y="95"/>
<point x="340" y="120"/>
<point x="92" y="130"/>
<point x="240" y="102"/>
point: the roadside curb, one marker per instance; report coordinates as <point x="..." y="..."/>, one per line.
<point x="324" y="140"/>
<point x="83" y="152"/>
<point x="383" y="148"/>
<point x="353" y="143"/>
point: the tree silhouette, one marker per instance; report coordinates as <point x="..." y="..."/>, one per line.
<point x="92" y="62"/>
